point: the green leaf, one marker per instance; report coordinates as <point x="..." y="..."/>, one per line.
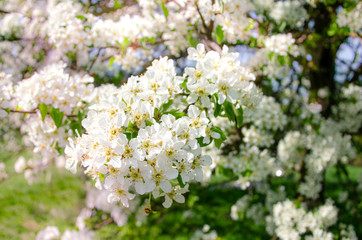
<point x="87" y="27"/>
<point x="57" y="116"/>
<point x="239" y="116"/>
<point x="184" y="85"/>
<point x="253" y="42"/>
<point x="281" y="59"/>
<point x="200" y="141"/>
<point x="250" y="25"/>
<point x="131" y="126"/>
<point x="176" y="114"/>
<point x="134" y="134"/>
<point x="229" y="111"/>
<point x="219" y="34"/>
<point x="124" y="45"/>
<point x="179" y="179"/>
<point x="221" y="3"/>
<point x="81" y="115"/>
<point x="43" y="110"/>
<point x="76" y="126"/>
<point x="165" y="106"/>
<point x="71" y="55"/>
<point x="156" y="114"/>
<point x="148" y="123"/>
<point x="219" y="131"/>
<point x="118" y="5"/>
<point x="111" y="60"/>
<point x="282" y="26"/>
<point x="128" y="135"/>
<point x="59" y="150"/>
<point x="218" y="142"/>
<point x="164" y="9"/>
<point x="81" y="17"/>
<point x="217" y="110"/>
<point x="101" y="176"/>
<point x="41" y="56"/>
<point x="271" y="55"/>
<point x="192" y="41"/>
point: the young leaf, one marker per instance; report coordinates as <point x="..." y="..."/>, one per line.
<point x="229" y="111"/>
<point x="271" y="55"/>
<point x="111" y="60"/>
<point x="117" y="5"/>
<point x="219" y="131"/>
<point x="179" y="179"/>
<point x="281" y="60"/>
<point x="148" y="123"/>
<point x="101" y="176"/>
<point x="239" y="116"/>
<point x="76" y="126"/>
<point x="219" y="34"/>
<point x="176" y="114"/>
<point x="192" y="41"/>
<point x="217" y="110"/>
<point x="200" y="140"/>
<point x="164" y="9"/>
<point x="43" y="110"/>
<point x="218" y="142"/>
<point x="57" y="116"/>
<point x="165" y="106"/>
<point x="81" y="17"/>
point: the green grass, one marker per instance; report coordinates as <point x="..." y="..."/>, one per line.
<point x="26" y="209"/>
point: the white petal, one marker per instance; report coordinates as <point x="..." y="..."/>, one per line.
<point x="166" y="186"/>
<point x="171" y="173"/>
<point x="168" y="202"/>
<point x="179" y="198"/>
<point x="140" y="187"/>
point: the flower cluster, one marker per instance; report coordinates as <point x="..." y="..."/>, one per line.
<point x="46" y="140"/>
<point x="234" y="19"/>
<point x="291" y="222"/>
<point x="317" y="152"/>
<point x="205" y="234"/>
<point x="53" y="233"/>
<point x="6" y="90"/>
<point x="138" y="139"/>
<point x="281" y="44"/>
<point x="290" y="12"/>
<point x="97" y="200"/>
<point x="349" y="110"/>
<point x="53" y="86"/>
<point x="246" y="207"/>
<point x="272" y="61"/>
<point x="267" y="115"/>
<point x="251" y="162"/>
<point x="242" y="209"/>
<point x="218" y="74"/>
<point x="251" y="165"/>
<point x="351" y="19"/>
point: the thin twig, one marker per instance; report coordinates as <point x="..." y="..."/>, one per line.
<point x="102" y="224"/>
<point x="33" y="112"/>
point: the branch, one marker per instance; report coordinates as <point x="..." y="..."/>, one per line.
<point x="32" y="112"/>
<point x="94" y="60"/>
<point x="102" y="224"/>
<point x="202" y="17"/>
